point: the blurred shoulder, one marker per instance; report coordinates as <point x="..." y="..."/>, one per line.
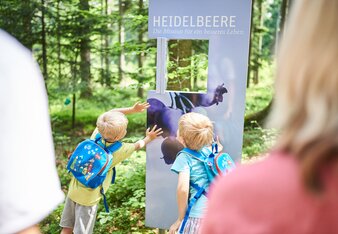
<point x="11" y="47"/>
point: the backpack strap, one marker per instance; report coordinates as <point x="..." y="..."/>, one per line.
<point x="200" y="191"/>
<point x="208" y="160"/>
<point x="110" y="149"/>
<point x="114" y="175"/>
<point x="104" y="200"/>
<point x="114" y="147"/>
<point x="206" y="156"/>
<point x="214" y="146"/>
<point x="197" y="155"/>
<point x="97" y="137"/>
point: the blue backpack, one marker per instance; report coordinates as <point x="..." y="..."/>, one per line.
<point x="90" y="163"/>
<point x="215" y="164"/>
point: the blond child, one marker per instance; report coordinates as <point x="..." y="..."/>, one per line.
<point x="80" y="209"/>
<point x="195" y="131"/>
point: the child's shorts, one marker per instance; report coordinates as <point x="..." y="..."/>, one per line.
<point x="192" y="226"/>
<point x="80" y="218"/>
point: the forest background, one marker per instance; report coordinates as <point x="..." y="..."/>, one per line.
<point x="95" y="55"/>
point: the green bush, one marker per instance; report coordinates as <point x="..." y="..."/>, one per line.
<point x="258" y="96"/>
<point x="126" y="198"/>
<point x="50" y="224"/>
<point x="256" y="141"/>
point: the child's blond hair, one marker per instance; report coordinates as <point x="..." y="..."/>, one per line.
<point x="196" y="130"/>
<point x="110" y="124"/>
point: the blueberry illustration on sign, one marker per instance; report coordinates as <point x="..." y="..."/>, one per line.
<point x="166" y="117"/>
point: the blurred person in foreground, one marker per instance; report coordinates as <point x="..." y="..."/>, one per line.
<point x="294" y="190"/>
<point x="30" y="187"/>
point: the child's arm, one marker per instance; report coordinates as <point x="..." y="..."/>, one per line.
<point x="137" y="107"/>
<point x="182" y="199"/>
<point x="150" y="135"/>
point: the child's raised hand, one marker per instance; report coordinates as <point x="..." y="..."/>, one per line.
<point x="150" y="135"/>
<point x="139" y="107"/>
<point x="153" y="133"/>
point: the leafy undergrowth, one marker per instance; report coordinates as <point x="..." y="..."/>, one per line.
<point x="257" y="141"/>
<point x="259" y="95"/>
<point x="126" y="198"/>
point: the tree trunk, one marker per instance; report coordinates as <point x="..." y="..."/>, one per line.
<point x="73" y="65"/>
<point x="121" y="40"/>
<point x="185" y="53"/>
<point x="73" y="110"/>
<point x="85" y="52"/>
<point x="102" y="49"/>
<point x="260" y="39"/>
<point x="58" y="38"/>
<point x="43" y="41"/>
<point x="250" y="45"/>
<point x="107" y="73"/>
<point x="194" y="73"/>
<point x="258" y="117"/>
<point x="180" y="52"/>
<point x="283" y="14"/>
<point x="27" y="37"/>
<point x="290" y="2"/>
<point x="140" y="57"/>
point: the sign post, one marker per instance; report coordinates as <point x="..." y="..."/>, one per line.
<point x="226" y="25"/>
<point x="161" y="65"/>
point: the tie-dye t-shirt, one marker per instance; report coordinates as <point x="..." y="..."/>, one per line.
<point x="186" y="163"/>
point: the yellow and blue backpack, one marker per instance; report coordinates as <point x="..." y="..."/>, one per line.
<point x="90" y="162"/>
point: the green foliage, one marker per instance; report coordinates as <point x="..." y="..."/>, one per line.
<point x="190" y="70"/>
<point x="257" y="141"/>
<point x="258" y="96"/>
<point x="263" y="36"/>
<point x="50" y="225"/>
<point x="271" y="24"/>
<point x="66" y="26"/>
<point x="88" y="110"/>
<point x="126" y="198"/>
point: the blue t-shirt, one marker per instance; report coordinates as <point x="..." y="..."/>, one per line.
<point x="186" y="163"/>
